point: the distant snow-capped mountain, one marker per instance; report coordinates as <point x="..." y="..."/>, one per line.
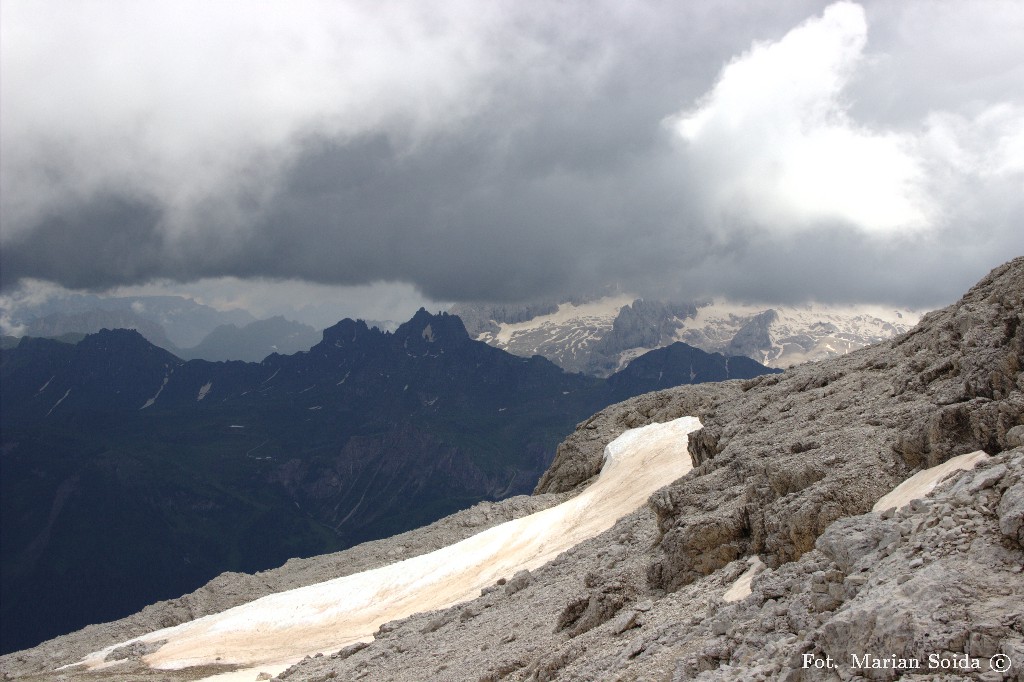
<point x="781" y="336"/>
<point x="603" y="335"/>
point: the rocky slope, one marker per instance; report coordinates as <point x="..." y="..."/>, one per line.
<point x="787" y="469"/>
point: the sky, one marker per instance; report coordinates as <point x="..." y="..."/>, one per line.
<point x="374" y="156"/>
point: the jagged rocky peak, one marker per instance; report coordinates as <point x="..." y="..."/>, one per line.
<point x="114" y="338"/>
<point x="123" y="344"/>
<point x="645" y="324"/>
<point x="346" y="332"/>
<point x="755" y="336"/>
<point x="424" y="327"/>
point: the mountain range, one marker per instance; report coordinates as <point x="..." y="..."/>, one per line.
<point x="198" y="331"/>
<point x="601" y="335"/>
<point x="180" y="322"/>
<point x="131" y="475"/>
<point x="596" y="335"/>
<point x="781" y="554"/>
<point x="252" y="342"/>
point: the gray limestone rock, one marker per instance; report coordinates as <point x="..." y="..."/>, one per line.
<point x="1011" y="513"/>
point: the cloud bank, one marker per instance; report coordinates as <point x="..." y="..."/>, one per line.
<point x="513" y="150"/>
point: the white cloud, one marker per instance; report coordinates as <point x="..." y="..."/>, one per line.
<point x="773" y="138"/>
<point x="989" y="144"/>
<point x="776" y="145"/>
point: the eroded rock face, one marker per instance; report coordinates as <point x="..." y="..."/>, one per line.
<point x="934" y="584"/>
<point x="782" y="457"/>
<point x="940" y="581"/>
<point x="1011" y="513"/>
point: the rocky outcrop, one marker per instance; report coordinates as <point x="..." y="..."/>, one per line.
<point x="755" y="336"/>
<point x="796" y="452"/>
<point x="579" y="457"/>
<point x="933" y="585"/>
<point x="953" y="385"/>
<point x="642" y="324"/>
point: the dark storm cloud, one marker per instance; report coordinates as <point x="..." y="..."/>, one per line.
<point x="101" y="241"/>
<point x="520" y="152"/>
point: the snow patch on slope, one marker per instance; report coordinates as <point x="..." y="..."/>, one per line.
<point x="43" y="387"/>
<point x="923" y="482"/>
<point x="741" y="588"/>
<point x="66" y="394"/>
<point x="203" y="390"/>
<point x="271" y="633"/>
<point x="160" y="390"/>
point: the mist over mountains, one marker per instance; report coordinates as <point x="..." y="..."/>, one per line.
<point x="177" y="324"/>
<point x="179" y="321"/>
